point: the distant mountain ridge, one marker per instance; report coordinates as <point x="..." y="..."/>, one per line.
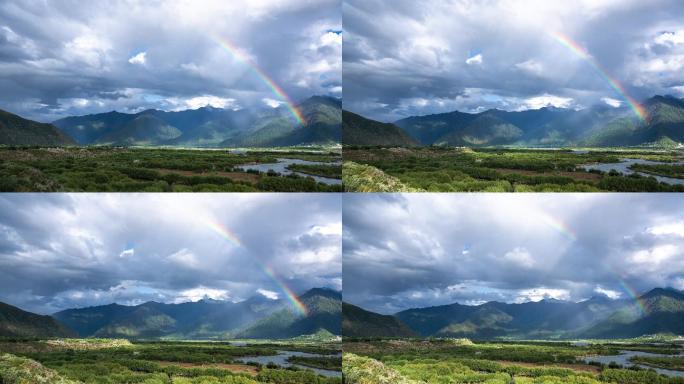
<point x="357" y="322"/>
<point x="15" y="322"/>
<point x="257" y="317"/>
<point x="598" y="317"/>
<point x="212" y="127"/>
<point x="358" y="130"/>
<point x="598" y="126"/>
<point x="15" y="130"/>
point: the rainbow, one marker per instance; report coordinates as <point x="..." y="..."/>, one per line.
<point x="559" y="226"/>
<point x="634" y="295"/>
<point x="226" y="234"/>
<point x="275" y="88"/>
<point x="577" y="49"/>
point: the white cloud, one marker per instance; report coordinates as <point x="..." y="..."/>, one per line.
<point x="676" y="229"/>
<point x="608" y="292"/>
<point x="201" y="292"/>
<point x="185" y="258"/>
<point x="268" y="294"/>
<point x="140" y="59"/>
<point x="670" y="38"/>
<point x="656" y="255"/>
<point x="127" y="253"/>
<point x="520" y="256"/>
<point x="531" y="66"/>
<point x="178" y="104"/>
<point x="612" y="102"/>
<point x="326" y="230"/>
<point x="541" y="293"/>
<point x="547" y="100"/>
<point x="273" y="103"/>
<point x="328" y="39"/>
<point x="89" y="49"/>
<point x="477" y="59"/>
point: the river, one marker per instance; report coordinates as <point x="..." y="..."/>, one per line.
<point x="283" y="163"/>
<point x="623" y="359"/>
<point x="624" y="164"/>
<point x="281" y="360"/>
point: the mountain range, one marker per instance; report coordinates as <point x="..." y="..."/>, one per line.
<point x="202" y="127"/>
<point x="257" y="317"/>
<point x="15" y="322"/>
<point x="15" y="130"/>
<point x="597" y="126"/>
<point x="660" y="310"/>
<point x="212" y="127"/>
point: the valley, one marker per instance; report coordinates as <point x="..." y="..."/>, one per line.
<point x="207" y="149"/>
<point x="121" y="169"/>
<point x="83" y="361"/>
<point x="416" y="361"/>
<point x="460" y="169"/>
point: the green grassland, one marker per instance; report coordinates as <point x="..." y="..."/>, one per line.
<point x="436" y="361"/>
<point x="444" y="169"/>
<point x="104" y="361"/>
<point x="110" y="169"/>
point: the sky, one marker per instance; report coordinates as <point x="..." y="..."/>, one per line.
<point x="73" y="57"/>
<point x="60" y="251"/>
<point x="405" y="251"/>
<point x="406" y="58"/>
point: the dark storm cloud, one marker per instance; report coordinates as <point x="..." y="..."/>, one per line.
<point x="406" y="58"/>
<point x="75" y="250"/>
<point x="429" y="249"/>
<point x="68" y="57"/>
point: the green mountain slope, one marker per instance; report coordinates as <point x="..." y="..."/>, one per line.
<point x="212" y="127"/>
<point x="358" y="130"/>
<point x="324" y="313"/>
<point x="323" y="125"/>
<point x="597" y="126"/>
<point x="144" y="129"/>
<point x="257" y="317"/>
<point x="357" y="322"/>
<point x="598" y="317"/>
<point x="658" y="311"/>
<point x="15" y="322"/>
<point x="15" y="130"/>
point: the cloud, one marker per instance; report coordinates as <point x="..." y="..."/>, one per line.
<point x="268" y="294"/>
<point x="51" y="53"/>
<point x="674" y="228"/>
<point x="185" y="258"/>
<point x="409" y="50"/>
<point x="140" y="58"/>
<point x="531" y="66"/>
<point x="520" y="256"/>
<point x="440" y="248"/>
<point x="127" y="253"/>
<point x="477" y="59"/>
<point x="177" y="104"/>
<point x="546" y="100"/>
<point x="77" y="250"/>
<point x="272" y="102"/>
<point x="200" y="293"/>
<point x="607" y="292"/>
<point x="541" y="293"/>
<point x="612" y="102"/>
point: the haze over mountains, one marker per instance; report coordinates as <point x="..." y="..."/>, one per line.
<point x="257" y="317"/>
<point x="598" y="126"/>
<point x="657" y="311"/>
<point x="202" y="127"/>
